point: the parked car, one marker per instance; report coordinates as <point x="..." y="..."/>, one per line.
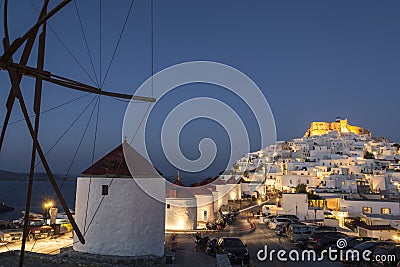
<point x="269" y="218"/>
<point x="371" y="245"/>
<point x="10" y="235"/>
<point x="298" y="232"/>
<point x="279" y="230"/>
<point x="354" y="241"/>
<point x="392" y="250"/>
<point x="320" y="240"/>
<point x="320" y="229"/>
<point x="368" y="245"/>
<point x="289" y="216"/>
<point x="235" y="249"/>
<point x="38" y="229"/>
<point x="277" y="222"/>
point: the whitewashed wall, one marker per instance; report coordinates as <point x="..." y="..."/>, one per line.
<point x="205" y="203"/>
<point x="295" y="204"/>
<point x="128" y="223"/>
<point x="181" y="214"/>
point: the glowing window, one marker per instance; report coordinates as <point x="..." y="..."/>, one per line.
<point x="385" y="211"/>
<point x="367" y="209"/>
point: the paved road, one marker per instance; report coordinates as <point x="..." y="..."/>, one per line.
<point x="264" y="236"/>
<point x="255" y="242"/>
<point x="185" y="248"/>
<point x="46" y="246"/>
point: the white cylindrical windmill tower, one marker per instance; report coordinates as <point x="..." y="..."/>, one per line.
<point x="116" y="216"/>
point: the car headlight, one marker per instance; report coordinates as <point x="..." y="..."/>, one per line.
<point x="230" y="254"/>
<point x="37" y="232"/>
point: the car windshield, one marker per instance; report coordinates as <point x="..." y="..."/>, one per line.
<point x="36" y="223"/>
<point x="297" y="230"/>
<point x="301" y="229"/>
<point x="233" y="243"/>
<point x="282" y="220"/>
<point x="364" y="246"/>
<point x="325" y="229"/>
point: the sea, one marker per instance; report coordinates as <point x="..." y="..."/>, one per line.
<point x="13" y="193"/>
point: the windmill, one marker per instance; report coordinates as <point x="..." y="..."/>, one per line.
<point x="16" y="70"/>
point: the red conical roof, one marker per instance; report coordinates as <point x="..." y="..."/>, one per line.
<point x="114" y="164"/>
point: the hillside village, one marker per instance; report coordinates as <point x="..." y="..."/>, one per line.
<point x="336" y="175"/>
<point x="339" y="162"/>
<point x="346" y="172"/>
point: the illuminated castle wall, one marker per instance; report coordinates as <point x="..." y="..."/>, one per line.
<point x="341" y="126"/>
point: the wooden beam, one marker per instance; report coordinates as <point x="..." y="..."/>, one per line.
<point x="23" y="61"/>
<point x="19" y="41"/>
<point x="69" y="83"/>
<point x="17" y="91"/>
<point x="37" y="102"/>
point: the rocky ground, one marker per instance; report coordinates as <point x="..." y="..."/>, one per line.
<point x="70" y="258"/>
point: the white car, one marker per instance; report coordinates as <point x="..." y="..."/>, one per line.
<point x="10" y="235"/>
<point x="277" y="222"/>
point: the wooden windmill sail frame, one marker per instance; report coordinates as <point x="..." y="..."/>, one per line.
<point x="15" y="72"/>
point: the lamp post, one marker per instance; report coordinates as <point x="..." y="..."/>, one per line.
<point x="315" y="215"/>
<point x="47" y="206"/>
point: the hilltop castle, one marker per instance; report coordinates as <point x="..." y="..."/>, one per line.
<point x="340" y="125"/>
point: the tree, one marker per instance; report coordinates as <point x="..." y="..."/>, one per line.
<point x="301" y="189"/>
<point x="368" y="155"/>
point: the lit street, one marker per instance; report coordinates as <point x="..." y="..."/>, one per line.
<point x="264" y="236"/>
<point x="45" y="246"/>
<point x="255" y="241"/>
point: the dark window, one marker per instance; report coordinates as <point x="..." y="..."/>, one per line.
<point x="104" y="190"/>
<point x="168" y="206"/>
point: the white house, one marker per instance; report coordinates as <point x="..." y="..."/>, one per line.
<point x="234" y="187"/>
<point x="114" y="213"/>
<point x="222" y="189"/>
<point x="181" y="209"/>
<point x="381" y="232"/>
<point x="289" y="182"/>
<point x="204" y="204"/>
<point x="295" y="204"/>
<point x="359" y="207"/>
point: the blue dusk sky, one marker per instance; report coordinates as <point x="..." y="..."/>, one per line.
<point x="313" y="61"/>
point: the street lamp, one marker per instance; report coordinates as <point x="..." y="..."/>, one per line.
<point x="47" y="206"/>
